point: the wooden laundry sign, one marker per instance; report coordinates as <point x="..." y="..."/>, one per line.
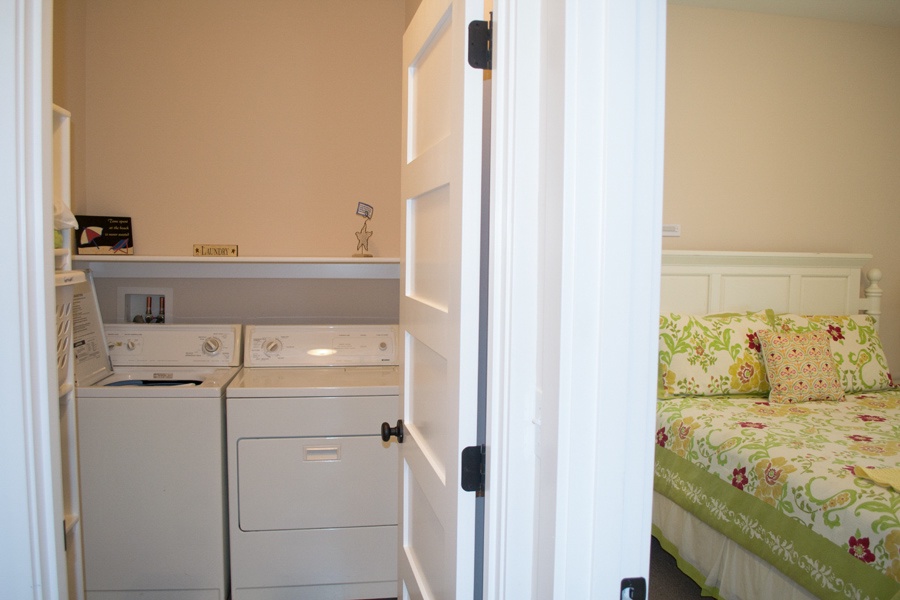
<point x="217" y="250"/>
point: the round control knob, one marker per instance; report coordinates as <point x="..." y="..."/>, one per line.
<point x="131" y="344"/>
<point x="212" y="345"/>
<point x="387" y="431"/>
<point x="382" y="346"/>
<point x="271" y="346"/>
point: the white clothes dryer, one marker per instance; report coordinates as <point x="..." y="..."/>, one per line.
<point x="312" y="488"/>
<point x="152" y="458"/>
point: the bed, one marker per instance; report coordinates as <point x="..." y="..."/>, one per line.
<point x="778" y="427"/>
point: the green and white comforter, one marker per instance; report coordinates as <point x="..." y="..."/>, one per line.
<point x="779" y="479"/>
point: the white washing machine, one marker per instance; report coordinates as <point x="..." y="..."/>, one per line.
<point x="151" y="451"/>
<point x="312" y="488"/>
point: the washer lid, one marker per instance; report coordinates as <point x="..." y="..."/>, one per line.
<point x="162" y="382"/>
<point x="98" y="347"/>
<point x="315" y="382"/>
<point x="88" y="339"/>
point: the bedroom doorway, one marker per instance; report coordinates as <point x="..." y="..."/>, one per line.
<point x="557" y="261"/>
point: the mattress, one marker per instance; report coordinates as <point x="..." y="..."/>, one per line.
<point x="780" y="480"/>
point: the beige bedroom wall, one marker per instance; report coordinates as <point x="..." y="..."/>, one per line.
<point x="783" y="134"/>
<point x="260" y="124"/>
<point x="411" y="7"/>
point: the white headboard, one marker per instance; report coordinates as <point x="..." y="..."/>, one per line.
<point x="699" y="283"/>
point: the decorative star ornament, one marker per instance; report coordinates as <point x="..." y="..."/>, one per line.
<point x="363" y="236"/>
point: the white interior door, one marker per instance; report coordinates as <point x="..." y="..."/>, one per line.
<point x="441" y="195"/>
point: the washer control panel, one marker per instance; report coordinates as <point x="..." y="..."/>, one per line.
<point x="135" y="345"/>
<point x="320" y="345"/>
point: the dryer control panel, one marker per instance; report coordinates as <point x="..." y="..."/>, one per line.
<point x="320" y="345"/>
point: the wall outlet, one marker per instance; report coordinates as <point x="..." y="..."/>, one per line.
<point x="671" y="230"/>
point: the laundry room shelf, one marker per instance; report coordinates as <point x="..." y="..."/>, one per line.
<point x="247" y="267"/>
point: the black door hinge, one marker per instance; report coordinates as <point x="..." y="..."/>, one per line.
<point x="634" y="588"/>
<point x="472" y="475"/>
<point x="481" y="34"/>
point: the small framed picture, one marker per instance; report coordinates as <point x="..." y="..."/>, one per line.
<point x="104" y="235"/>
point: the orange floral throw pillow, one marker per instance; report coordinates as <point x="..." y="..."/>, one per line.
<point x="855" y="345"/>
<point x="800" y="367"/>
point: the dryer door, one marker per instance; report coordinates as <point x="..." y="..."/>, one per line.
<point x="315" y="482"/>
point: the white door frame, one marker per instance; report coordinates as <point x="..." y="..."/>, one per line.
<point x="31" y="558"/>
<point x="575" y="244"/>
<point x="576" y="202"/>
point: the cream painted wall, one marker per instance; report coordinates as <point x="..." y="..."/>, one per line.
<point x="257" y="123"/>
<point x="783" y="133"/>
<point x="68" y="81"/>
<point x="411" y="7"/>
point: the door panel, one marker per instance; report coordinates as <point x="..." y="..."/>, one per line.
<point x="430" y="93"/>
<point x="440" y="205"/>
<point x="430" y="407"/>
<point x="427" y="277"/>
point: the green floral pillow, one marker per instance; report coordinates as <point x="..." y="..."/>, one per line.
<point x="711" y="355"/>
<point x="855" y="346"/>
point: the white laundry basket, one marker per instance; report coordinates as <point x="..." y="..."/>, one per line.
<point x="65" y="284"/>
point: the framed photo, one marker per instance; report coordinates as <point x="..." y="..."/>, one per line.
<point x="104" y="235"/>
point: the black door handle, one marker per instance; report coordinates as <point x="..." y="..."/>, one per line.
<point x="387" y="431"/>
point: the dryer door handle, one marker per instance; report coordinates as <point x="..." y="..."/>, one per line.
<point x="387" y="431"/>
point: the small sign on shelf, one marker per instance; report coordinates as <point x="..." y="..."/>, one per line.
<point x="363" y="235"/>
<point x="217" y="250"/>
<point x="104" y="235"/>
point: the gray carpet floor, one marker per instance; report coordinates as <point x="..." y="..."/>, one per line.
<point x="667" y="582"/>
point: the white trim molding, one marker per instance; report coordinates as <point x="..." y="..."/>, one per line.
<point x="575" y="263"/>
<point x="32" y="561"/>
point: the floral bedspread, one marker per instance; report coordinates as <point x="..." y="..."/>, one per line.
<point x="779" y="479"/>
